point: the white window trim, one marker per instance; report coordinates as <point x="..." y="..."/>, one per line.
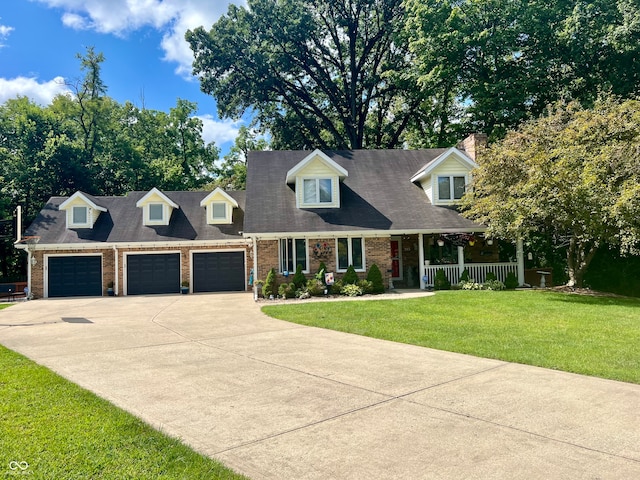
<point x="228" y="212"/>
<point x="436" y="188"/>
<point x="87" y="224"/>
<point x="350" y="255"/>
<point x="295" y="265"/>
<point x="317" y="203"/>
<point x="147" y="214"/>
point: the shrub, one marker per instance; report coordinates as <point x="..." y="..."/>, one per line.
<point x="464" y="276"/>
<point x="496" y="285"/>
<point x="350" y="276"/>
<point x="315" y="287"/>
<point x="366" y="286"/>
<point x="299" y="279"/>
<point x="269" y="287"/>
<point x="287" y="290"/>
<point x="440" y="282"/>
<point x="470" y="284"/>
<point x="337" y="287"/>
<point x="511" y="281"/>
<point x="322" y="269"/>
<point x="375" y="277"/>
<point x="351" y="290"/>
<point x="490" y="277"/>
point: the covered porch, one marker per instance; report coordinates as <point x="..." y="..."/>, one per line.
<point x="416" y="258"/>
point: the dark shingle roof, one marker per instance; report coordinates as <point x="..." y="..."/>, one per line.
<point x="122" y="222"/>
<point x="377" y="194"/>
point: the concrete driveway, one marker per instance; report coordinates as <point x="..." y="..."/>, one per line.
<point x="276" y="400"/>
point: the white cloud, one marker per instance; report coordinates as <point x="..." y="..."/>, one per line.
<point x="4" y="33"/>
<point x="40" y="92"/>
<point x="171" y="17"/>
<point x="216" y="131"/>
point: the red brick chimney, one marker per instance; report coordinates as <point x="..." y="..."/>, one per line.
<point x="473" y="144"/>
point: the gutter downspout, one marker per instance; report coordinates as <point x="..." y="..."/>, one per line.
<point x="116" y="283"/>
<point x="520" y="260"/>
<point x="255" y="268"/>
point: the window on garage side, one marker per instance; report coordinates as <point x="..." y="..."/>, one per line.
<point x="350" y="252"/>
<point x="293" y="252"/>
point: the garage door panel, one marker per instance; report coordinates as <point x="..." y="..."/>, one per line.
<point x="153" y="274"/>
<point x="218" y="272"/>
<point x="75" y="276"/>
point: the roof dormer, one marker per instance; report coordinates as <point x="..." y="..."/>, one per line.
<point x="317" y="181"/>
<point x="82" y="210"/>
<point x="446" y="177"/>
<point x="156" y="208"/>
<point x="219" y="205"/>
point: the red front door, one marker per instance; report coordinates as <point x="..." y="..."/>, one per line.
<point x="395" y="258"/>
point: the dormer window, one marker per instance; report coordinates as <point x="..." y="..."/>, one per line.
<point x="317" y="191"/>
<point x="80" y="215"/>
<point x="156" y="212"/>
<point x="156" y="208"/>
<point x="451" y="187"/>
<point x="219" y="205"/>
<point x="82" y="210"/>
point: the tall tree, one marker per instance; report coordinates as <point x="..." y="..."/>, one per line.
<point x="572" y="175"/>
<point x="323" y="74"/>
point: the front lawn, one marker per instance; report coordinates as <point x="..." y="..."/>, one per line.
<point x="5" y="305"/>
<point x="51" y="428"/>
<point x="598" y="336"/>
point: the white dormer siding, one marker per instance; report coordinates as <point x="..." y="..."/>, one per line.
<point x="156" y="208"/>
<point x="317" y="181"/>
<point x="219" y="207"/>
<point x="81" y="211"/>
<point x="446" y="177"/>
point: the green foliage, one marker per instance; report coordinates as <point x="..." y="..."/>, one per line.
<point x="315" y="287"/>
<point x="287" y="290"/>
<point x="366" y="286"/>
<point x="470" y="284"/>
<point x="337" y="287"/>
<point x="464" y="276"/>
<point x="299" y="279"/>
<point x="322" y="269"/>
<point x="441" y="282"/>
<point x="351" y="290"/>
<point x="375" y="277"/>
<point x="350" y="276"/>
<point x="495" y="285"/>
<point x="351" y="88"/>
<point x="269" y="287"/>
<point x="511" y="281"/>
<point x="571" y="175"/>
<point x="490" y="277"/>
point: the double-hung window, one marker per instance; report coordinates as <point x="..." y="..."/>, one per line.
<point x="293" y="252"/>
<point x="219" y="211"/>
<point x="351" y="252"/>
<point x="451" y="187"/>
<point x="317" y="191"/>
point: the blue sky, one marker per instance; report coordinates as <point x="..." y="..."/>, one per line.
<point x="147" y="60"/>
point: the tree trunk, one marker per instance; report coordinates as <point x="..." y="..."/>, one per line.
<point x="578" y="260"/>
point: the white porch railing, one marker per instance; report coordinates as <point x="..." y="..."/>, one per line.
<point x="477" y="271"/>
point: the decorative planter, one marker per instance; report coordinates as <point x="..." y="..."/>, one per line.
<point x="184" y="290"/>
<point x="110" y="292"/>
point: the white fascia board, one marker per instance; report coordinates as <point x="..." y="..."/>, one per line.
<point x="84" y="198"/>
<point x="220" y="191"/>
<point x="291" y="174"/>
<point x="460" y="156"/>
<point x="362" y="233"/>
<point x="145" y="245"/>
<point x="155" y="191"/>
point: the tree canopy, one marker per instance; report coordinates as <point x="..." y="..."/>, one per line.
<point x="316" y="74"/>
<point x="573" y="175"/>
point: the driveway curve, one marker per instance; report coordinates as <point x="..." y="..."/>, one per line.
<point x="275" y="400"/>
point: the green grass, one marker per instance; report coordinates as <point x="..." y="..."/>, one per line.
<point x="598" y="336"/>
<point x="5" y="305"/>
<point x="65" y="432"/>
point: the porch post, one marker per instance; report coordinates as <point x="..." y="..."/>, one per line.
<point x="421" y="270"/>
<point x="520" y="260"/>
<point x="460" y="261"/>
